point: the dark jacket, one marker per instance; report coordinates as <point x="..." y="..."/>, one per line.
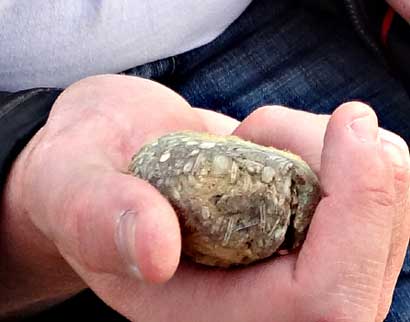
<point x="23" y="113"/>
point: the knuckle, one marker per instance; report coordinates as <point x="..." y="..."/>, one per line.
<point x="399" y="156"/>
<point x="395" y="139"/>
<point x="268" y="112"/>
<point x="402" y="178"/>
<point x="379" y="196"/>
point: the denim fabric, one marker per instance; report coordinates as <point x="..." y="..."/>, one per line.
<point x="280" y="52"/>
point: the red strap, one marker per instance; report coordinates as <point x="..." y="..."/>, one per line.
<point x="387" y="22"/>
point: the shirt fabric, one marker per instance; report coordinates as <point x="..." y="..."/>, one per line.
<point x="56" y="42"/>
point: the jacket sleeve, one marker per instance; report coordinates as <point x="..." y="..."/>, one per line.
<point x="398" y="46"/>
<point x="22" y="114"/>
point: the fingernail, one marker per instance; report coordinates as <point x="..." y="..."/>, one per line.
<point x="125" y="239"/>
<point x="365" y="128"/>
<point x="396" y="148"/>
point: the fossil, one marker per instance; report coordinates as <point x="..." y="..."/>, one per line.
<point x="237" y="202"/>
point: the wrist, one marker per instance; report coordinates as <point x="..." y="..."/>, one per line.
<point x="30" y="261"/>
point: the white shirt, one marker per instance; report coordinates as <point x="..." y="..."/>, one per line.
<point x="57" y="42"/>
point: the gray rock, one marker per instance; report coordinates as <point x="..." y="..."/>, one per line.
<point x="237" y="202"/>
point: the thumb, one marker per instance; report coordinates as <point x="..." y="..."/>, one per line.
<point x="345" y="253"/>
<point x="122" y="225"/>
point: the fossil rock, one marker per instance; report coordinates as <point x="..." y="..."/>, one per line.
<point x="237" y="201"/>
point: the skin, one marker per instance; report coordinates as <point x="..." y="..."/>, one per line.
<point x="402" y="7"/>
<point x="62" y="222"/>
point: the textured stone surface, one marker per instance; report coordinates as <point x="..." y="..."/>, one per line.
<point x="237" y="201"/>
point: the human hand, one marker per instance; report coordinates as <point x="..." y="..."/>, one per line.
<point x="366" y="192"/>
<point x="348" y="265"/>
<point x="327" y="281"/>
<point x="402" y="7"/>
<point x="68" y="196"/>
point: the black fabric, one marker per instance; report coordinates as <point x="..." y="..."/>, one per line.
<point x="398" y="46"/>
<point x="396" y="51"/>
<point x="21" y="115"/>
<point x="86" y="306"/>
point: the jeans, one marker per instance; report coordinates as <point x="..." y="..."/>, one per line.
<point x="281" y="53"/>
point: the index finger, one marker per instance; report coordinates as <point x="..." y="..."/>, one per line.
<point x="283" y="128"/>
<point x="345" y="253"/>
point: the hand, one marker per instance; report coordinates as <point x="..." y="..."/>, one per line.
<point x="402" y="7"/>
<point x="67" y="194"/>
<point x="348" y="266"/>
<point x="329" y="279"/>
<point x="357" y="241"/>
